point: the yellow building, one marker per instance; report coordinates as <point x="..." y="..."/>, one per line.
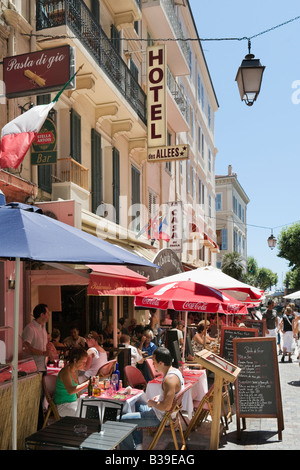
<point x="102" y="181"/>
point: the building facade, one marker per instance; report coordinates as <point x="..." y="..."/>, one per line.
<point x="231" y="214"/>
<point x="101" y="180"/>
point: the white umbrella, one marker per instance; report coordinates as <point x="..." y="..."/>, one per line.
<point x="213" y="277"/>
<point x="294" y="295"/>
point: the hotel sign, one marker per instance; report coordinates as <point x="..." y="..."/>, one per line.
<point x="157" y="96"/>
<point x="172" y="152"/>
<point x="157" y="109"/>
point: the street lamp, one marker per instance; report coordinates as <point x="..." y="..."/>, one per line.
<point x="249" y="77"/>
<point x="272" y="241"/>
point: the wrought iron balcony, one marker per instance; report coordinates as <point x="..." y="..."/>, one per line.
<point x="76" y="15"/>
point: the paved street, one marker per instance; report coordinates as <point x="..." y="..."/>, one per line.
<point x="260" y="434"/>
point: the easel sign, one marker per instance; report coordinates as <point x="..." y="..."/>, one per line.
<point x="224" y="371"/>
<point x="257" y="389"/>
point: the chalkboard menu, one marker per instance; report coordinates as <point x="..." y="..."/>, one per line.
<point x="257" y="388"/>
<point x="259" y="324"/>
<point x="227" y="336"/>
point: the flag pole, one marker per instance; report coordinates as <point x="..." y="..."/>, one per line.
<point x="65" y="86"/>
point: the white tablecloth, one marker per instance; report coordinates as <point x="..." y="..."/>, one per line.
<point x="196" y="392"/>
<point x="128" y="404"/>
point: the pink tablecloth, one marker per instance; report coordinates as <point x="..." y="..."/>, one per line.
<point x="196" y="392"/>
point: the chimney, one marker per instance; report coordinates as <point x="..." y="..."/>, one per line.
<point x="229" y="170"/>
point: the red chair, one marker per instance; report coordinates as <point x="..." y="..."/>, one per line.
<point x="152" y="370"/>
<point x="107" y="369"/>
<point x="135" y="378"/>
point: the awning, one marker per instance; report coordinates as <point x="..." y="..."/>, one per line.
<point x="115" y="280"/>
<point x="209" y="242"/>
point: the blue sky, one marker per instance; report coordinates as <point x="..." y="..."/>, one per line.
<point x="262" y="142"/>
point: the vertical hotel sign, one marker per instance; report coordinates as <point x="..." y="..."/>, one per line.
<point x="157" y="109"/>
<point x="157" y="96"/>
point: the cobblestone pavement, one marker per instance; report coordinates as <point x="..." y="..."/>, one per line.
<point x="260" y="433"/>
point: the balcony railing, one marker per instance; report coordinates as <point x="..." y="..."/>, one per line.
<point x="177" y="94"/>
<point x="76" y="15"/>
<point x="68" y="170"/>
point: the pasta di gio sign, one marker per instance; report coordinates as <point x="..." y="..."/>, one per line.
<point x="157" y="109"/>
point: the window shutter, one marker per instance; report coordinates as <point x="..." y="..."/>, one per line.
<point x="115" y="37"/>
<point x="116" y="183"/>
<point x="75" y="136"/>
<point x="96" y="170"/>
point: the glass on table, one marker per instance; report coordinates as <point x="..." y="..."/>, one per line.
<point x="114" y="382"/>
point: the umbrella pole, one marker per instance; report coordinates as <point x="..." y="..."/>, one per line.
<point x="205" y="326"/>
<point x="15" y="356"/>
<point x="115" y="321"/>
<point x="184" y="336"/>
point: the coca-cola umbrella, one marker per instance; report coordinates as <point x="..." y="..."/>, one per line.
<point x="189" y="296"/>
<point x="215" y="278"/>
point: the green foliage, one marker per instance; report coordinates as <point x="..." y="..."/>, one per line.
<point x="292" y="279"/>
<point x="289" y="244"/>
<point x="232" y="265"/>
<point x="259" y="277"/>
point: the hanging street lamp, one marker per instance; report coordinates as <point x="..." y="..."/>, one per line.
<point x="272" y="241"/>
<point x="249" y="77"/>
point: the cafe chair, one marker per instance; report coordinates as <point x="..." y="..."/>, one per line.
<point x="49" y="382"/>
<point x="135" y="377"/>
<point x="106" y="369"/>
<point x="171" y="421"/>
<point x="151" y="368"/>
<point x="202" y="409"/>
<point x="226" y="407"/>
<point x="108" y="410"/>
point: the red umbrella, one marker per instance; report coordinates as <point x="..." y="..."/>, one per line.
<point x="189" y="296"/>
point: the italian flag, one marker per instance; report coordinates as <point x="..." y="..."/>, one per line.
<point x="18" y="135"/>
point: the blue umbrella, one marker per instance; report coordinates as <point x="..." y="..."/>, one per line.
<point x="27" y="234"/>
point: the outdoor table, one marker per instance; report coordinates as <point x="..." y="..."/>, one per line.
<point x="61" y="435"/>
<point x="128" y="400"/>
<point x="199" y="388"/>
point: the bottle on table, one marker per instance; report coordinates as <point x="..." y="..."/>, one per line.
<point x="90" y="387"/>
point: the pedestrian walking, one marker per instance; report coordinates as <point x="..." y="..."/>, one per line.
<point x="271" y="319"/>
<point x="286" y="326"/>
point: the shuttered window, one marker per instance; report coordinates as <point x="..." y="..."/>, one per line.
<point x="116" y="183"/>
<point x="135" y="196"/>
<point x="96" y="170"/>
<point x="75" y="136"/>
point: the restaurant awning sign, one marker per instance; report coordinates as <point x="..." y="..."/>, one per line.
<point x="39" y="72"/>
<point x="44" y="148"/>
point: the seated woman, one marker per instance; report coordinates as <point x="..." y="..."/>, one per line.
<point x="67" y="385"/>
<point x="199" y="337"/>
<point x="97" y="356"/>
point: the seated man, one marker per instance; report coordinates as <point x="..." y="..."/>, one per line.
<point x="151" y="413"/>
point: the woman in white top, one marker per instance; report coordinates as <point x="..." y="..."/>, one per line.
<point x="96" y="358"/>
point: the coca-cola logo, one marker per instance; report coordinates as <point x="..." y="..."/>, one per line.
<point x="152" y="302"/>
<point x="195" y="306"/>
